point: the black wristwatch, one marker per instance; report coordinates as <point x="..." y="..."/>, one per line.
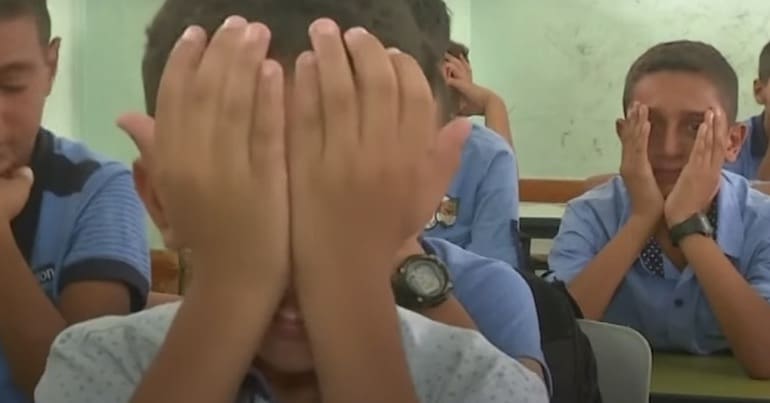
<point x="421" y="282"/>
<point x="696" y="224"/>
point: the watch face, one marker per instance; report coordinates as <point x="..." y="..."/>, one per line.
<point x="425" y="279"/>
<point x="705" y="225"/>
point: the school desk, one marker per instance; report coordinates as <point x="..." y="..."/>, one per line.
<point x="692" y="379"/>
<point x="538" y="225"/>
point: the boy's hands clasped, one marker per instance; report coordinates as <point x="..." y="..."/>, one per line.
<point x="698" y="181"/>
<point x="351" y="160"/>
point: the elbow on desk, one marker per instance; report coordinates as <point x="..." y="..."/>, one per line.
<point x="758" y="368"/>
<point x="761" y="373"/>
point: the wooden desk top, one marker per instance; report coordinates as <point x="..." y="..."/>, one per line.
<point x="715" y="376"/>
<point x="541" y="210"/>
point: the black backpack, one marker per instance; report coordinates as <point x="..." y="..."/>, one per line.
<point x="567" y="349"/>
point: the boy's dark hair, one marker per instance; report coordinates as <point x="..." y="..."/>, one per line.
<point x="389" y="20"/>
<point x="34" y="8"/>
<point x="432" y="17"/>
<point x="764" y="64"/>
<point x="459" y="50"/>
<point x="691" y="57"/>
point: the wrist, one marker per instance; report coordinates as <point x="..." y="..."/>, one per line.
<point x="239" y="277"/>
<point x="492" y="101"/>
<point x="643" y="223"/>
<point x="674" y="217"/>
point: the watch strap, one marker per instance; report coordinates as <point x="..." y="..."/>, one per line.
<point x="696" y="224"/>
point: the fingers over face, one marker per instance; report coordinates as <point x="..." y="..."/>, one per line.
<point x="377" y="87"/>
<point x="267" y="136"/>
<point x="180" y="69"/>
<point x="306" y="123"/>
<point x="418" y="113"/>
<point x="239" y="95"/>
<point x="338" y="92"/>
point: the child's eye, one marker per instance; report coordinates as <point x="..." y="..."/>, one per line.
<point x="693" y="127"/>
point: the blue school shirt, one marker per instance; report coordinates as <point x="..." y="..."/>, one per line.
<point x="753" y="150"/>
<point x="669" y="308"/>
<point x="83" y="221"/>
<point x="495" y="296"/>
<point x="480" y="212"/>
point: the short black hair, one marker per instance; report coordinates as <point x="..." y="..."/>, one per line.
<point x="459" y="50"/>
<point x="691" y="57"/>
<point x="389" y="20"/>
<point x="432" y="17"/>
<point x="764" y="64"/>
<point x="33" y="8"/>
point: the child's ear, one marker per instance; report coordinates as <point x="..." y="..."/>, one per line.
<point x="619" y="123"/>
<point x="147" y="193"/>
<point x="735" y="138"/>
<point x="759" y="92"/>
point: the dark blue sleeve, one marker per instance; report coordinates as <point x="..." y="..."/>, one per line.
<point x="109" y="238"/>
<point x="496" y="208"/>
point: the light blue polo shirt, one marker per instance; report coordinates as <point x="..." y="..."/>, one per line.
<point x="480" y="212"/>
<point x="83" y="221"/>
<point x="753" y="150"/>
<point x="670" y="309"/>
<point x="495" y="296"/>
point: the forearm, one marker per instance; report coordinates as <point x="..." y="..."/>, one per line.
<point x="451" y="313"/>
<point x="496" y="118"/>
<point x="743" y="315"/>
<point x="352" y="322"/>
<point x="594" y="287"/>
<point x="25" y="334"/>
<point x="211" y="344"/>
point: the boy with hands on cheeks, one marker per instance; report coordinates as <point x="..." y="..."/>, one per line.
<point x="675" y="247"/>
<point x="267" y="180"/>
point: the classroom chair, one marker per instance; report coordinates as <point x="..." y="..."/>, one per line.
<point x="623" y="361"/>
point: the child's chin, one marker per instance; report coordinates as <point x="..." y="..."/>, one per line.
<point x="290" y="356"/>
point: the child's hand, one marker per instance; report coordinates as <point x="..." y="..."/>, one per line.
<point x="635" y="168"/>
<point x="474" y="98"/>
<point x="368" y="161"/>
<point x="216" y="158"/>
<point x="699" y="180"/>
<point x="14" y="188"/>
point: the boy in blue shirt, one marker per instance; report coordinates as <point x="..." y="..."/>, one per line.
<point x="480" y="211"/>
<point x="72" y="229"/>
<point x="753" y="162"/>
<point x="268" y="185"/>
<point x="473" y="99"/>
<point x="675" y="247"/>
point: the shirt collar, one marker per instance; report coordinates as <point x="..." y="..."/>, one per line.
<point x="255" y="384"/>
<point x="757" y="135"/>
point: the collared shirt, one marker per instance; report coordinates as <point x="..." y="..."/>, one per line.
<point x="102" y="361"/>
<point x="83" y="221"/>
<point x="753" y="150"/>
<point x="480" y="212"/>
<point x="671" y="311"/>
<point x="652" y="256"/>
